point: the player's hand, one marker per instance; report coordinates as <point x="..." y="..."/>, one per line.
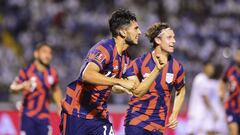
<point x="172" y="122"/>
<point x="120" y="89"/>
<point x="27" y="85"/>
<point x="159" y="58"/>
<point x="128" y="84"/>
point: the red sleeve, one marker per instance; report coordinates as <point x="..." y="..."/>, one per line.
<point x="100" y="56"/>
<point x="21" y="76"/>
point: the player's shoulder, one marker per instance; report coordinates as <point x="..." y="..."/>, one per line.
<point x="105" y="44"/>
<point x="177" y="65"/>
<point x="52" y="67"/>
<point x="141" y="58"/>
<point x="177" y="61"/>
<point x="27" y="67"/>
<point x="144" y="56"/>
<point x="199" y="78"/>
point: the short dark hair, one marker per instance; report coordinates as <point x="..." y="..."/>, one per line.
<point x="42" y="44"/>
<point x="154" y="30"/>
<point x="119" y="18"/>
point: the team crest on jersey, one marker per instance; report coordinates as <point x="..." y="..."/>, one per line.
<point x="169" y="77"/>
<point x="100" y="57"/>
<point x="50" y="79"/>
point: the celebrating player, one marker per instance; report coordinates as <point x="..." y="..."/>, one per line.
<point x="148" y="108"/>
<point x="85" y="106"/>
<point x="231" y="79"/>
<point x="36" y="81"/>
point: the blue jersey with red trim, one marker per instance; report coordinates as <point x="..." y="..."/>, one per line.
<point x="232" y="78"/>
<point x="36" y="100"/>
<point x="150" y="111"/>
<point x="86" y="100"/>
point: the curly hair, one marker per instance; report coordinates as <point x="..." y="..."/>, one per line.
<point x="120" y="18"/>
<point x="154" y="30"/>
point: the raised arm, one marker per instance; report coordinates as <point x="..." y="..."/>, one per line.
<point x="143" y="87"/>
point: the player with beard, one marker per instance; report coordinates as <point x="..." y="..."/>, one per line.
<point x="84" y="109"/>
<point x="231" y="83"/>
<point x="37" y="81"/>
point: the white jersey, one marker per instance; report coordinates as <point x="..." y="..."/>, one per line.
<point x="201" y="119"/>
<point x="199" y="88"/>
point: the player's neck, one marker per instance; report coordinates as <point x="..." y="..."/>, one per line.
<point x="120" y="45"/>
<point x="157" y="51"/>
<point x="39" y="66"/>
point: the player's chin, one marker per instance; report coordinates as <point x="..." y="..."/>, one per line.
<point x="170" y="50"/>
<point x="47" y="63"/>
<point x="135" y="42"/>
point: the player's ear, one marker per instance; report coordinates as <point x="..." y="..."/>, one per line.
<point x="157" y="40"/>
<point x="122" y="33"/>
<point x="35" y="54"/>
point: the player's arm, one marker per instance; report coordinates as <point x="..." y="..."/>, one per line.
<point x="222" y="89"/>
<point x="119" y="89"/>
<point x="145" y="85"/>
<point x="209" y="106"/>
<point x="142" y="87"/>
<point x="160" y="61"/>
<point x="179" y="98"/>
<point x="91" y="75"/>
<point x="17" y="87"/>
<point x="57" y="96"/>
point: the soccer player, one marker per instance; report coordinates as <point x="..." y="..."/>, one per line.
<point x="205" y="113"/>
<point x="148" y="108"/>
<point x="37" y="81"/>
<point x="231" y="83"/>
<point x="85" y="106"/>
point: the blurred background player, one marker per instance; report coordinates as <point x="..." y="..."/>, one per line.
<point x="205" y="112"/>
<point x="85" y="106"/>
<point x="37" y="81"/>
<point x="230" y="84"/>
<point x="147" y="112"/>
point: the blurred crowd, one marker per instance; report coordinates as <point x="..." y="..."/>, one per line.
<point x="205" y="30"/>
